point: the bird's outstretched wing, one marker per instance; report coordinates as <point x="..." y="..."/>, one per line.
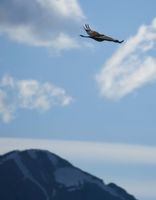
<point x="108" y="38"/>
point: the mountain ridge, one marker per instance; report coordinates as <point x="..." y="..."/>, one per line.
<point x="42" y="175"/>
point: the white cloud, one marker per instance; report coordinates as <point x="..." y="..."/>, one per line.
<point x="28" y="94"/>
<point x="6" y="111"/>
<point x="87" y="151"/>
<point x="131" y="66"/>
<point x="47" y="23"/>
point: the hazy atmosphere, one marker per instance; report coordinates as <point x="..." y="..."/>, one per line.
<point x="92" y="102"/>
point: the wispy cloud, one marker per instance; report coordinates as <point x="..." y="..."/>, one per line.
<point x="131" y="66"/>
<point x="28" y="94"/>
<point x="47" y="23"/>
<point x="87" y="151"/>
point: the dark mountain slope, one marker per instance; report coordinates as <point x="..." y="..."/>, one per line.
<point x="41" y="175"/>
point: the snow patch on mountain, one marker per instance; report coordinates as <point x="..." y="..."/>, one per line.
<point x="54" y="160"/>
<point x="69" y="177"/>
<point x="32" y="154"/>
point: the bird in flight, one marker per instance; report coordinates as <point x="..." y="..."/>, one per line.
<point x="98" y="36"/>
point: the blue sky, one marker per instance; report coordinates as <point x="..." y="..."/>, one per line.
<point x="57" y="86"/>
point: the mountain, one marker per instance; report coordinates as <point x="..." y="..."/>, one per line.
<point x="41" y="175"/>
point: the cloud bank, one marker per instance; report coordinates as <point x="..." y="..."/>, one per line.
<point x="87" y="151"/>
<point x="131" y="66"/>
<point x="28" y="94"/>
<point x="45" y="23"/>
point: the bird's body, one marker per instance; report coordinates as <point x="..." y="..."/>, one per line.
<point x="97" y="36"/>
